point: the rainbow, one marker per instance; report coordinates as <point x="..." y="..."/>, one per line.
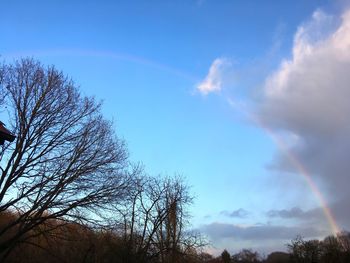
<point x="292" y="158"/>
<point x="102" y="54"/>
<point x="303" y="172"/>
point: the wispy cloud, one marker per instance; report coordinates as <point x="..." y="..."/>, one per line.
<point x="214" y="80"/>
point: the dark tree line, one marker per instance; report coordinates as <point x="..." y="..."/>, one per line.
<point x="332" y="249"/>
<point x="67" y="170"/>
<point x="62" y="241"/>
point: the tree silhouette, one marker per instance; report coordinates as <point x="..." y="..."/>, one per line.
<point x="153" y="220"/>
<point x="66" y="163"/>
<point x="246" y="256"/>
<point x="225" y="256"/>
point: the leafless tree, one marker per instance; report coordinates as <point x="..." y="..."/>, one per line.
<point x="66" y="162"/>
<point x="154" y="220"/>
<point x="305" y="250"/>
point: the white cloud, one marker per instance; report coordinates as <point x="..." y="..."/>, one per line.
<point x="309" y="96"/>
<point x="213" y="81"/>
<point x="311" y="89"/>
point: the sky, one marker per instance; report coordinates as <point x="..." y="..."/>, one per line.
<point x="247" y="100"/>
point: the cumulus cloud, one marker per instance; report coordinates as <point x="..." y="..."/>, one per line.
<point x="308" y="96"/>
<point x="239" y="213"/>
<point x="307" y="99"/>
<point x="213" y="81"/>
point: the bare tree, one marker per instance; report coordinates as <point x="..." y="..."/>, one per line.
<point x="172" y="238"/>
<point x="154" y="221"/>
<point x="66" y="162"/>
<point x="305" y="250"/>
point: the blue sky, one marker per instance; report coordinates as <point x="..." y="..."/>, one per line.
<point x="148" y="60"/>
